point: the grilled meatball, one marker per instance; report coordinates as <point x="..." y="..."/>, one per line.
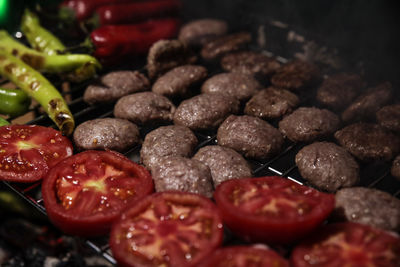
<point x="179" y="80"/>
<point x="182" y="174"/>
<point x="224" y="163"/>
<point x="250" y="136"/>
<point x="250" y="63"/>
<point x="225" y="44"/>
<point x="237" y="85"/>
<point x="205" y="111"/>
<point x="366" y="105"/>
<point x="296" y="75"/>
<point x="369" y="141"/>
<point x="307" y="124"/>
<point x="199" y="32"/>
<point x="115" y="85"/>
<point x="327" y="166"/>
<point x="145" y="108"/>
<point x="368" y="206"/>
<point x="337" y="91"/>
<point x="165" y="55"/>
<point x="271" y="103"/>
<point x="395" y="170"/>
<point x="389" y="117"/>
<point x="106" y="133"/>
<point x="172" y="140"/>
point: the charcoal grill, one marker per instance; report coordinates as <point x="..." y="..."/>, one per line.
<point x="283" y="41"/>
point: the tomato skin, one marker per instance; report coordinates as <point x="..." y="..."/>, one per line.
<point x="288" y="225"/>
<point x="28" y="151"/>
<point x="85" y="193"/>
<point x="348" y="244"/>
<point x="244" y="256"/>
<point x="179" y="228"/>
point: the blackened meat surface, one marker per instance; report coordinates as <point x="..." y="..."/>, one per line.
<point x="271" y="103"/>
<point x="395" y="170"/>
<point x="224" y="163"/>
<point x="327" y="166"/>
<point x="337" y="91"/>
<point x="145" y="108"/>
<point x="389" y="117"/>
<point x="368" y="206"/>
<point x="307" y="124"/>
<point x="250" y="136"/>
<point x="369" y="141"/>
<point x="106" y="133"/>
<point x="205" y="111"/>
<point x="182" y="174"/>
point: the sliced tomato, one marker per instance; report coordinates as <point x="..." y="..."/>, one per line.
<point x="28" y="151"/>
<point x="85" y="193"/>
<point x="167" y="229"/>
<point x="348" y="244"/>
<point x="245" y="256"/>
<point x="271" y="209"/>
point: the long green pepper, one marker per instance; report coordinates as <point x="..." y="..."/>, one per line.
<point x="13" y="102"/>
<point x="39" y="88"/>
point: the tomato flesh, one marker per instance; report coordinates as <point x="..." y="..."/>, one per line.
<point x="271" y="209"/>
<point x="348" y="244"/>
<point x="167" y="229"/>
<point x="90" y="189"/>
<point x="28" y="151"/>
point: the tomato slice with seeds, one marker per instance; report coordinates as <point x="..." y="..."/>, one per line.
<point x="245" y="256"/>
<point x="28" y="151"/>
<point x="85" y="193"/>
<point x="348" y="244"/>
<point x="167" y="229"/>
<point x="271" y="209"/>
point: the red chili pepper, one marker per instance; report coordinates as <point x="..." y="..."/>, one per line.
<point x="113" y="42"/>
<point x="134" y="12"/>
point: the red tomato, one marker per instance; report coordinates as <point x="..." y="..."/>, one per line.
<point x="28" y="151"/>
<point x="271" y="209"/>
<point x="348" y="244"/>
<point x="85" y="193"/>
<point x="242" y="256"/>
<point x="167" y="229"/>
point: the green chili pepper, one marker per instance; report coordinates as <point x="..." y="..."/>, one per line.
<point x="46" y="63"/>
<point x="3" y="122"/>
<point x="39" y="88"/>
<point x="13" y="102"/>
<point x="38" y="37"/>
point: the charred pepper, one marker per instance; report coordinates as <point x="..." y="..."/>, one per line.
<point x="39" y="88"/>
<point x="13" y="102"/>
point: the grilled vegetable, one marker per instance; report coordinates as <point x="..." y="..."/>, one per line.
<point x="13" y="102"/>
<point x="39" y="88"/>
<point x="3" y="122"/>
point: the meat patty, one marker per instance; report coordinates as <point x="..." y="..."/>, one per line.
<point x="198" y="32"/>
<point x="327" y="166"/>
<point x="271" y="103"/>
<point x="368" y="206"/>
<point x="178" y="81"/>
<point x="369" y="141"/>
<point x="338" y="91"/>
<point x="165" y="55"/>
<point x="366" y="105"/>
<point x="395" y="170"/>
<point x="115" y="85"/>
<point x="106" y="133"/>
<point x="182" y="174"/>
<point x="307" y="124"/>
<point x="296" y="75"/>
<point x="172" y="140"/>
<point x="237" y="85"/>
<point x="145" y="108"/>
<point x="205" y="111"/>
<point x="389" y="117"/>
<point x="228" y="43"/>
<point x="224" y="163"/>
<point x="250" y="63"/>
<point x="250" y="136"/>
